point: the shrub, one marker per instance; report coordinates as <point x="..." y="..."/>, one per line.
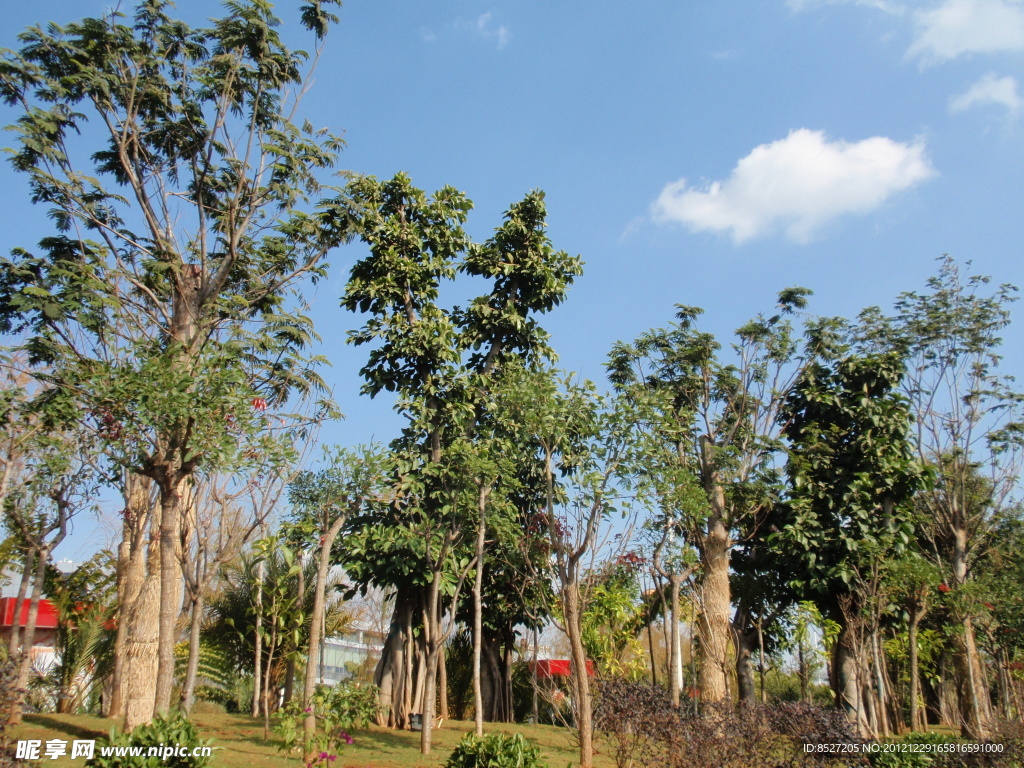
<point x="171" y="731"/>
<point x="338" y="711"/>
<point x="496" y="750"/>
<point x="640" y="724"/>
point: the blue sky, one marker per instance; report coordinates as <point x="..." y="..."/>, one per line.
<point x="709" y="152"/>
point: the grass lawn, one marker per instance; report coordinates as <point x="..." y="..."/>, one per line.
<point x="241" y="743"/>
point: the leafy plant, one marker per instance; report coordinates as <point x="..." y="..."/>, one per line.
<point x="171" y="731"/>
<point x="496" y="750"/>
<point x="338" y="710"/>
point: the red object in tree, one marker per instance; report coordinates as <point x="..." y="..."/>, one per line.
<point x="259" y="403"/>
<point x="46" y="618"/>
<point x="550" y="668"/>
<point x="943" y="587"/>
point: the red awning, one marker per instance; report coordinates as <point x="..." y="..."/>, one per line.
<point x="46" y="618"/>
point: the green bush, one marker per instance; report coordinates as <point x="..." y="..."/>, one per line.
<point x="338" y="710"/>
<point x="171" y="731"/>
<point x="496" y="750"/>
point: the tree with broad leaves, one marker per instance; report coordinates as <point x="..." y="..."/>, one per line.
<point x="161" y="305"/>
<point x="968" y="426"/>
<point x="852" y="474"/>
<point x="444" y="365"/>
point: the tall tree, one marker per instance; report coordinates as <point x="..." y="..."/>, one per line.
<point x="721" y="420"/>
<point x="852" y="473"/>
<point x="175" y="233"/>
<point x="442" y="364"/>
<point x="968" y="426"/>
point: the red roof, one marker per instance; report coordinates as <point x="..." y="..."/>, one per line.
<point x="548" y="668"/>
<point x="46" y="618"/>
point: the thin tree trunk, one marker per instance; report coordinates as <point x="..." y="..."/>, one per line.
<point x="25" y="663"/>
<point x="300" y="597"/>
<point x="257" y="681"/>
<point x="442" y="684"/>
<point x="676" y="652"/>
<point x="917" y="718"/>
<point x="170" y="592"/>
<point x="478" y="586"/>
<point x="14" y="646"/>
<point x="188" y="688"/>
<point x="316" y="622"/>
<point x="582" y="700"/>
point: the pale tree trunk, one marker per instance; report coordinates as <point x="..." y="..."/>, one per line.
<point x="14" y="646"/>
<point x="972" y="692"/>
<point x="478" y="631"/>
<point x="315" y="625"/>
<point x="188" y="688"/>
<point x="676" y="651"/>
<point x="25" y="663"/>
<point x="881" y="689"/>
<point x="170" y="592"/>
<point x="582" y="699"/>
<point x="257" y="678"/>
<point x="442" y="685"/>
<point x="431" y="638"/>
<point x="140" y="653"/>
<point x="847" y="681"/>
<point x="714" y="615"/>
<point x="131" y="574"/>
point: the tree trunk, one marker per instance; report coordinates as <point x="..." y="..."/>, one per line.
<point x="316" y="622"/>
<point x="300" y="601"/>
<point x="432" y="641"/>
<point x="972" y="692"/>
<point x="675" y="677"/>
<point x="188" y="687"/>
<point x="143" y="627"/>
<point x="170" y="593"/>
<point x="25" y="663"/>
<point x="393" y="675"/>
<point x="27" y="569"/>
<point x="140" y="659"/>
<point x="582" y="701"/>
<point x="746" y="641"/>
<point x="847" y="682"/>
<point x="131" y="575"/>
<point x="478" y="631"/>
<point x="714" y="615"/>
<point x="257" y="676"/>
<point x="917" y="715"/>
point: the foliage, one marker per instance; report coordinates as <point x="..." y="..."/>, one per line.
<point x="8" y="698"/>
<point x="496" y="750"/>
<point x="172" y="730"/>
<point x="338" y="709"/>
<point x="613" y="618"/>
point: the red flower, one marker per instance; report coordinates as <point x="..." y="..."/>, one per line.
<point x="943" y="587"/>
<point x="259" y="403"/>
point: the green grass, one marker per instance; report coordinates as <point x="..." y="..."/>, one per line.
<point x="241" y="743"/>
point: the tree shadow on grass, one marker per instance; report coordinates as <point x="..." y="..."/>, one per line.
<point x="57" y="724"/>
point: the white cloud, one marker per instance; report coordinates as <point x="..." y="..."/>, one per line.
<point x="483" y="26"/>
<point x="797" y="184"/>
<point x="991" y="89"/>
<point x="958" y="27"/>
